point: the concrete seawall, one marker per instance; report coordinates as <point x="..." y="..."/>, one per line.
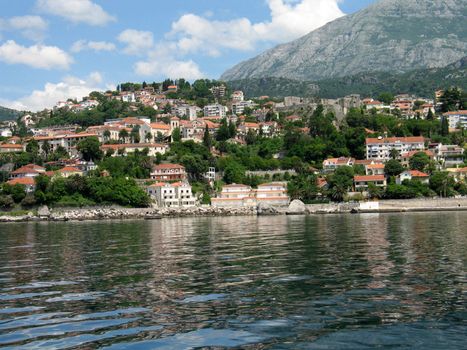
<point x="403" y="205"/>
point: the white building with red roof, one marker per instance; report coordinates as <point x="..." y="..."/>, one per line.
<point x="361" y="182"/>
<point x="168" y="172"/>
<point x="412" y="175"/>
<point x="380" y="148"/>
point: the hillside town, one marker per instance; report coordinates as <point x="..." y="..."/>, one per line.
<point x="213" y="146"/>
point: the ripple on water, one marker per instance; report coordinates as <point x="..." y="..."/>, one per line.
<point x="203" y="298"/>
<point x="206" y="337"/>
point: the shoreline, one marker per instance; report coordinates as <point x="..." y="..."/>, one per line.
<point x="116" y="213"/>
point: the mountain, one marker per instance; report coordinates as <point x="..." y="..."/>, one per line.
<point x="8" y="114"/>
<point x="420" y="82"/>
<point x="389" y="35"/>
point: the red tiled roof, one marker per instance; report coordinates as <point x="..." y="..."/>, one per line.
<point x="131" y="145"/>
<point x="412" y="139"/>
<point x="69" y="169"/>
<point x="460" y="112"/>
<point x="168" y="166"/>
<point x="417" y="173"/>
<point x="366" y="178"/>
<point x="11" y="145"/>
<point x="375" y="166"/>
<point x="28" y="169"/>
<point x="162" y="126"/>
<point x="26" y="181"/>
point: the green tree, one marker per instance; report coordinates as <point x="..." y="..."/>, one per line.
<point x="176" y="135"/>
<point x="90" y="148"/>
<point x="393" y="167"/>
<point x="340" y="182"/>
<point x="303" y="187"/>
<point x="430" y="115"/>
<point x="223" y="134"/>
<point x="444" y="126"/>
<point x="394" y="153"/>
<point x="207" y="139"/>
<point x="250" y="137"/>
<point x="419" y="161"/>
<point x="123" y="135"/>
<point x="386" y="98"/>
<point x="234" y="173"/>
<point x="46" y="147"/>
<point x="442" y="184"/>
<point x="106" y="135"/>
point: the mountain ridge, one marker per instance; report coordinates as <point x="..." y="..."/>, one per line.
<point x="421" y="82"/>
<point x="396" y="35"/>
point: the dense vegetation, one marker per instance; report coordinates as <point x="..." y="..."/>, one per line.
<point x="76" y="191"/>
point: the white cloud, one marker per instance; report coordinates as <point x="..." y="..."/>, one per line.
<point x="70" y="87"/>
<point x="167" y="67"/>
<point x="290" y="19"/>
<point x="76" y="11"/>
<point x="37" y="56"/>
<point x="137" y="42"/>
<point x="82" y="45"/>
<point x="31" y="27"/>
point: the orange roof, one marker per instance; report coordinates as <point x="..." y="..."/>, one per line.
<point x="29" y="169"/>
<point x="69" y="169"/>
<point x="375" y="166"/>
<point x="168" y="166"/>
<point x="412" y="139"/>
<point x="132" y="120"/>
<point x="162" y="126"/>
<point x="11" y="145"/>
<point x="460" y="112"/>
<point x="417" y="173"/>
<point x="211" y="125"/>
<point x="131" y="145"/>
<point x="366" y="178"/>
<point x="26" y="181"/>
<point x="251" y="125"/>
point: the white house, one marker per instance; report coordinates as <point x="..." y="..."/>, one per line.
<point x="412" y="175"/>
<point x="168" y="195"/>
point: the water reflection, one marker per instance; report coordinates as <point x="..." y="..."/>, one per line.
<point x="271" y="282"/>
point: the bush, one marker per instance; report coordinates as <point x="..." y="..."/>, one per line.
<point x="6" y="202"/>
<point x="28" y="201"/>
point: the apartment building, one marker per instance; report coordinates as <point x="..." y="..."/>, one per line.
<point x="381" y="148"/>
<point x="169" y="195"/>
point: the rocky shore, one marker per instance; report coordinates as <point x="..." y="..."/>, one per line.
<point x="295" y="208"/>
<point x="44" y="214"/>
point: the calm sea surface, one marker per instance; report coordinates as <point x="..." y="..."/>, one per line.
<point x="319" y="282"/>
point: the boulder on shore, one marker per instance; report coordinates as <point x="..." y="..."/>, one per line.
<point x="297" y="207"/>
<point x="266" y="209"/>
<point x="43" y="212"/>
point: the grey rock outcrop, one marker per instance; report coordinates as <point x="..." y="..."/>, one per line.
<point x="43" y="212"/>
<point x="297" y="207"/>
<point x="389" y="35"/>
<point x="266" y="209"/>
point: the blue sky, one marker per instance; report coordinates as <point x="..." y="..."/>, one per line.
<point x="53" y="49"/>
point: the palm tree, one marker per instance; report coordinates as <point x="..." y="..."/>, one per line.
<point x="123" y="135"/>
<point x="394" y="153"/>
<point x="106" y="135"/>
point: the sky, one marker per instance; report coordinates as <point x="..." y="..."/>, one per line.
<point x="51" y="50"/>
